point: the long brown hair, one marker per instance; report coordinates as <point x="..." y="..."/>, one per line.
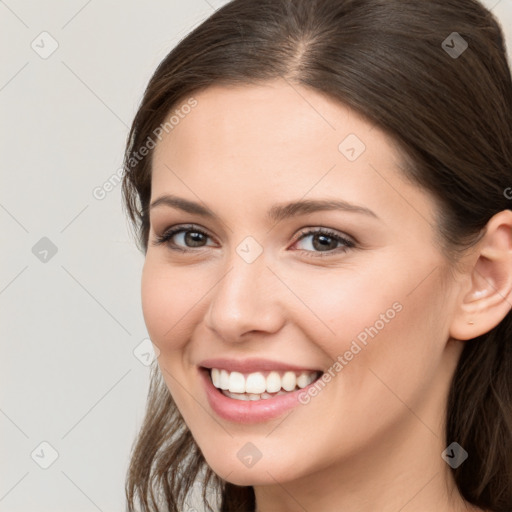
<point x="404" y="65"/>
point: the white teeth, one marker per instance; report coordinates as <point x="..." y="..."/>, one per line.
<point x="223" y="380"/>
<point x="216" y="377"/>
<point x="305" y="379"/>
<point x="237" y="396"/>
<point x="255" y="383"/>
<point x="273" y="382"/>
<point x="256" y="386"/>
<point x="247" y="397"/>
<point x="289" y="381"/>
<point x="236" y="382"/>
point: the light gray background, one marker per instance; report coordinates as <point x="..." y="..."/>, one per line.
<point x="70" y="324"/>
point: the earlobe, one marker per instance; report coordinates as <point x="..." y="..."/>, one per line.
<point x="489" y="298"/>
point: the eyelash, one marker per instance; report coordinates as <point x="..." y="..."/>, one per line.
<point x="348" y="244"/>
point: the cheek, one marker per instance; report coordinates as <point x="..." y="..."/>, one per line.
<point x="167" y="306"/>
<point x="380" y="318"/>
<point x="167" y="303"/>
<point x="337" y="307"/>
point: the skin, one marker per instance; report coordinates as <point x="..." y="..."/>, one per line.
<point x="372" y="438"/>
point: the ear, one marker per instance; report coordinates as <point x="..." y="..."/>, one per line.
<point x="486" y="295"/>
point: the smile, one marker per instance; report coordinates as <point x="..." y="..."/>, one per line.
<point x="261" y="385"/>
<point x="255" y="391"/>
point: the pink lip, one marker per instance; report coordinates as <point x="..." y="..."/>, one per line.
<point x="253" y="411"/>
<point x="252" y="365"/>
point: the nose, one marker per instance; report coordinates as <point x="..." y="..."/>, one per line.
<point x="245" y="300"/>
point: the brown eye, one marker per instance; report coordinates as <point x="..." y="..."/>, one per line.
<point x="190" y="237"/>
<point x="325" y="241"/>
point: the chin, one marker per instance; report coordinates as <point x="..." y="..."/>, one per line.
<point x="261" y="473"/>
<point x="249" y="477"/>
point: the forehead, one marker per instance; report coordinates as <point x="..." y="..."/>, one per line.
<point x="274" y="118"/>
<point x="261" y="144"/>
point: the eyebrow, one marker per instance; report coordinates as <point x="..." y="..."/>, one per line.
<point x="276" y="213"/>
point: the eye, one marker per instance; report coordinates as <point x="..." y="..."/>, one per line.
<point x="325" y="242"/>
<point x="187" y="234"/>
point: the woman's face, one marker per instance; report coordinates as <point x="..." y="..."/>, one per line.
<point x="362" y="297"/>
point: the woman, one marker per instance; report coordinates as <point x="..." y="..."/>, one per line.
<point x="320" y="191"/>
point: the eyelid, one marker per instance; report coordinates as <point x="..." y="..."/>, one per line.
<point x="319" y="229"/>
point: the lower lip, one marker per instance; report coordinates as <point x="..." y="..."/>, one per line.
<point x="249" y="411"/>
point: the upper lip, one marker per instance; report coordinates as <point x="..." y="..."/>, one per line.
<point x="252" y="365"/>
